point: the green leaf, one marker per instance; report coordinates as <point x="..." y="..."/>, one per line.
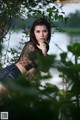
<point x="45" y="62"/>
<point x="63" y="56"/>
<point x="74" y="48"/>
<point x="60" y="17"/>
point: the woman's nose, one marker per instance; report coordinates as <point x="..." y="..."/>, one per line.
<point x="42" y="34"/>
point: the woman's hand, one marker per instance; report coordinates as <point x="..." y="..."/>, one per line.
<point x="31" y="73"/>
<point x="42" y="46"/>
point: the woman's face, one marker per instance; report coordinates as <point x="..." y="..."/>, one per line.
<point x="41" y="33"/>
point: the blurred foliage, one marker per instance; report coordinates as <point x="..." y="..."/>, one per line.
<point x="70" y="73"/>
<point x="30" y="99"/>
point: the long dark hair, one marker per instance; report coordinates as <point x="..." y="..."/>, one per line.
<point x="40" y="21"/>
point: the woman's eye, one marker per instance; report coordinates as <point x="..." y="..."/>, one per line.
<point x="37" y="31"/>
<point x="45" y="31"/>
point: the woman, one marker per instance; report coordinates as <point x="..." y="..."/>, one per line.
<point x="27" y="64"/>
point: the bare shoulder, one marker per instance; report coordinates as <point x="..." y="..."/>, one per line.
<point x="30" y="46"/>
